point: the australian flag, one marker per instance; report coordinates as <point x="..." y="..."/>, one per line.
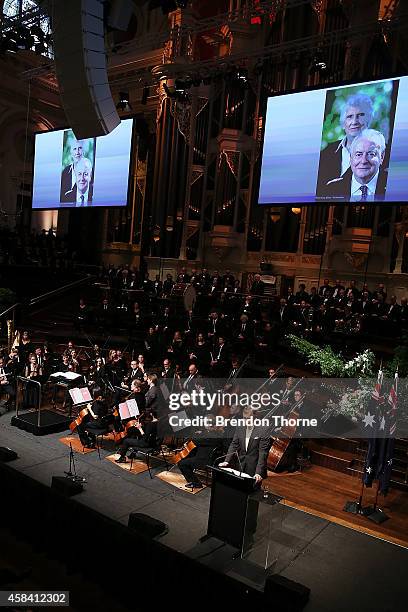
<point x="372" y="421"/>
<point x="386" y="451"/>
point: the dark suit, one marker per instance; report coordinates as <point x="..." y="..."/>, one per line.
<point x="66" y="181"/>
<point x="253" y="459"/>
<point x="340" y="188"/>
<point x="152" y="399"/>
<point x="329" y="165"/>
<point x="71" y="195"/>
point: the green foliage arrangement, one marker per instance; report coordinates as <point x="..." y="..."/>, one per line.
<point x="331" y="364"/>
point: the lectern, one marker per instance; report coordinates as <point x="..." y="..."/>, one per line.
<point x="231" y="510"/>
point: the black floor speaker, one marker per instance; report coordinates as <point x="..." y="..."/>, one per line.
<point x="6" y="454"/>
<point x="66" y="486"/>
<point x="146" y="525"/>
<point x="284" y="592"/>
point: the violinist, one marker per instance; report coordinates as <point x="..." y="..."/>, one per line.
<point x="6" y="381"/>
<point x="142" y="435"/>
<point x="152" y="396"/>
<point x="97" y="373"/>
<point x="138" y="395"/>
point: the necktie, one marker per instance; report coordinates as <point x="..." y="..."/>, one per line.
<point x="82" y="200"/>
<point x="364" y="192"/>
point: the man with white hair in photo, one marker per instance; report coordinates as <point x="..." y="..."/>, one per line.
<point x="366" y="179"/>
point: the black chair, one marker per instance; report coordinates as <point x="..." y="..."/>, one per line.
<point x="205" y="471"/>
<point x="99" y="433"/>
<point x="149" y="452"/>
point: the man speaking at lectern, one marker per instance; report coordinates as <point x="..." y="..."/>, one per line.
<point x="251" y="445"/>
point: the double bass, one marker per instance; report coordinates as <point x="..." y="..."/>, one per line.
<point x="281" y="444"/>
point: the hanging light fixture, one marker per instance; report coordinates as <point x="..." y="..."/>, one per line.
<point x="156" y="233"/>
<point x="296" y="210"/>
<point x="274" y="214"/>
<point x="169" y="224"/>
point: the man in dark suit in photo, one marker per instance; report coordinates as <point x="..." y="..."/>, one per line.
<point x="251" y="445"/>
<point x="366" y="179"/>
<point x="82" y="191"/>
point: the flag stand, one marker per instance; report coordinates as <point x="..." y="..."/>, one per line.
<point x="355" y="507"/>
<point x="374" y="513"/>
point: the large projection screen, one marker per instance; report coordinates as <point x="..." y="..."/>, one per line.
<point x="71" y="173"/>
<point x="337" y="145"/>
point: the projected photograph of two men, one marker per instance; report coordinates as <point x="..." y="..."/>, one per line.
<point x="344" y="144"/>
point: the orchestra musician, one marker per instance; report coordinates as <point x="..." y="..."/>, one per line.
<point x="199" y="457"/>
<point x="95" y="420"/>
<point x="31" y="391"/>
<point x="142" y="435"/>
<point x="251" y="446"/>
<point x="6" y="382"/>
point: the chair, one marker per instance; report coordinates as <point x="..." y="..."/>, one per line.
<point x="99" y="433"/>
<point x="216" y="452"/>
<point x="149" y="452"/>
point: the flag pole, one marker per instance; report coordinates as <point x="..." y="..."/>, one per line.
<point x="356" y="507"/>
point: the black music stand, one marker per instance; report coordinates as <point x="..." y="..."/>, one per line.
<point x="230" y="511"/>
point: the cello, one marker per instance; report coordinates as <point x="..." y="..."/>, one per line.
<point x="280" y="444"/>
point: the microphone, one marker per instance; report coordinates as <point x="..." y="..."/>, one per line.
<point x="240" y="464"/>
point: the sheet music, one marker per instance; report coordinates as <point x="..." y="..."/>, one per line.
<point x="237" y="472"/>
<point x="67" y="375"/>
<point x="128" y="409"/>
<point x="79" y="396"/>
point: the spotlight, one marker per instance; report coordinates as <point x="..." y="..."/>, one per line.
<point x="145" y="95"/>
<point x="318" y="65"/>
<point x="156" y="233"/>
<point x="123" y="103"/>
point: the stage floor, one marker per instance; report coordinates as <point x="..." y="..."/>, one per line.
<point x="344" y="568"/>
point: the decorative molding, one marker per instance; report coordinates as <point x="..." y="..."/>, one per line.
<point x="356" y="260"/>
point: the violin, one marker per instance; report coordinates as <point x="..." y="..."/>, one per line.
<point x="185" y="451"/>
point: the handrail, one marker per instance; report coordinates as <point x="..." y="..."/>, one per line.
<point x="8" y="309"/>
<point x="55" y="292"/>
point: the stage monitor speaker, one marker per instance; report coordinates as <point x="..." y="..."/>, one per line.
<point x="286" y="594"/>
<point x="120" y="12"/>
<point x="6" y="454"/>
<point x="80" y="64"/>
<point x="146" y="525"/>
<point x="66" y="486"/>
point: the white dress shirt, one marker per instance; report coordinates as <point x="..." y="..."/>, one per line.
<point x="356" y="192"/>
<point x="345" y="156"/>
<point x="79" y="201"/>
